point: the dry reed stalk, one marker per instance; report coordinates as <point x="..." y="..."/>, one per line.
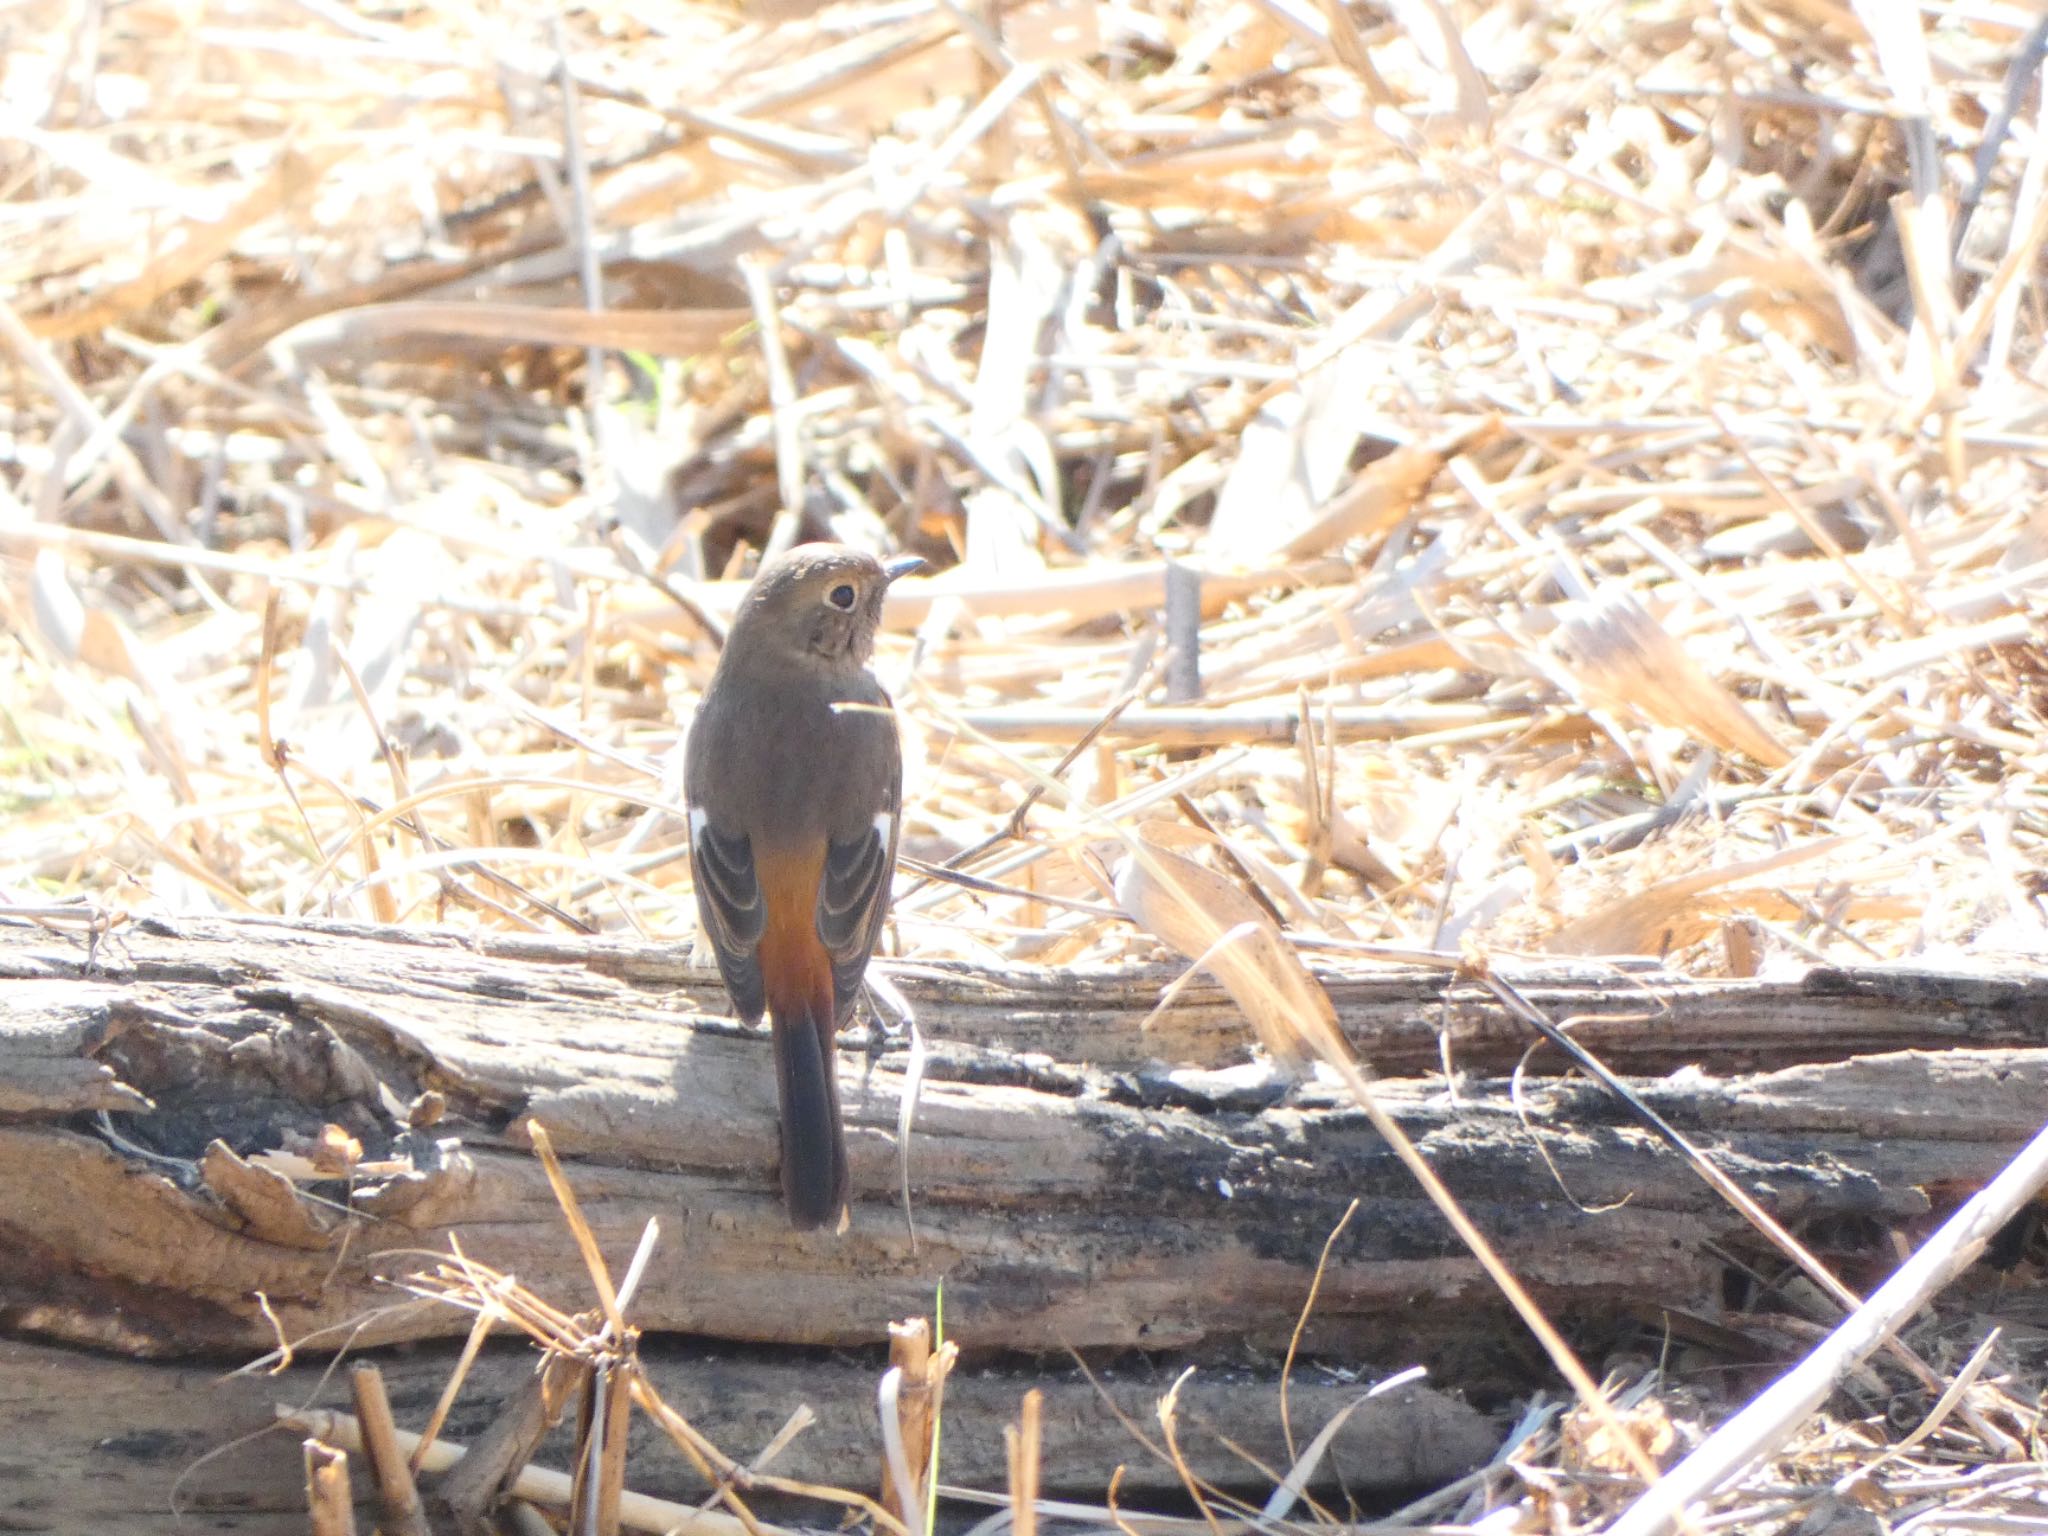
<point x="538" y="1485"/>
<point x="398" y="1501"/>
<point x="1022" y="1441"/>
<point x="327" y="1494"/>
<point x="593" y="1357"/>
<point x="910" y="1353"/>
<point x="605" y="1464"/>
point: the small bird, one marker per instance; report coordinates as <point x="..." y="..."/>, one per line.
<point x="794" y="777"/>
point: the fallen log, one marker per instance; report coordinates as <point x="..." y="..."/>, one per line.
<point x="181" y="1106"/>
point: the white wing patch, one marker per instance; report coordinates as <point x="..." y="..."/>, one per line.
<point x="885" y="826"/>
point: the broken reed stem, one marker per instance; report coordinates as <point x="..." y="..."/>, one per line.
<point x="586" y="1240"/>
<point x="327" y="1495"/>
<point x="910" y="1352"/>
<point x="614" y="1420"/>
<point x="896" y="1455"/>
<point x="536" y="1485"/>
<point x="399" y="1512"/>
<point x="1022" y="1440"/>
<point x="589" y="1443"/>
<point x="479" y="1331"/>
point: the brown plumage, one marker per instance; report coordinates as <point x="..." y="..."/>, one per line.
<point x="795" y="779"/>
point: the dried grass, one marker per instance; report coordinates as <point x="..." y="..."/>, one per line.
<point x="1541" y="406"/>
<point x="1610" y="445"/>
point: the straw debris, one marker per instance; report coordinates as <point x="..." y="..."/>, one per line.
<point x="1461" y="479"/>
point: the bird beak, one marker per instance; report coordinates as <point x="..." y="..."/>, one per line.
<point x="902" y="566"/>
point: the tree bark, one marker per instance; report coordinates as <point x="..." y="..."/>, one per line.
<point x="1070" y="1191"/>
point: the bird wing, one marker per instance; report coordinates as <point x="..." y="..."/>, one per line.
<point x="729" y="905"/>
<point x="853" y="889"/>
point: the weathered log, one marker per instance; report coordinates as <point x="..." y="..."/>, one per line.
<point x="1071" y="1189"/>
<point x="1063" y="1205"/>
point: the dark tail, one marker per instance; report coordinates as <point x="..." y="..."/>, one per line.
<point x="814" y="1180"/>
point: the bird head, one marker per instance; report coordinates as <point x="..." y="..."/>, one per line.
<point x="820" y="602"/>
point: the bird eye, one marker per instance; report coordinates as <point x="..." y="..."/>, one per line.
<point x="841" y="596"/>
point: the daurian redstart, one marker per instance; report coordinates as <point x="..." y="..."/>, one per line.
<point x="795" y="782"/>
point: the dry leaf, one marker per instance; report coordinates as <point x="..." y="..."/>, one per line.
<point x="1212" y="922"/>
<point x="1590" y="1444"/>
<point x="1674" y="913"/>
<point x="1612" y="653"/>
